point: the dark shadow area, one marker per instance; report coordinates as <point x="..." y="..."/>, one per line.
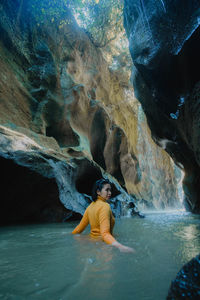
<point x="87" y="176"/>
<point x="28" y="197"/>
<point x="98" y="138"/>
<point x="112" y="154"/>
<point x="62" y="132"/>
<point x="175" y="75"/>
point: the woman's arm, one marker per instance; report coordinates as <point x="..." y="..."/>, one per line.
<point x="82" y="225"/>
<point x="123" y="248"/>
<point x="104" y="219"/>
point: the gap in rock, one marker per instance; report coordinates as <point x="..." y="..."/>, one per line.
<point x="28" y="197"/>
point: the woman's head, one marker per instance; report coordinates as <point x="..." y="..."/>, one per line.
<point x="102" y="187"/>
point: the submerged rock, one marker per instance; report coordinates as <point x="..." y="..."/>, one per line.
<point x="187" y="282"/>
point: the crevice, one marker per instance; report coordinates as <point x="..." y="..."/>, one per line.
<point x="28" y="197"/>
<point x="98" y="138"/>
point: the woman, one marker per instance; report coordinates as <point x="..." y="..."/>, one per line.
<point x="100" y="217"/>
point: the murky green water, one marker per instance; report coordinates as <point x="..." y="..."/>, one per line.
<point x="46" y="262"/>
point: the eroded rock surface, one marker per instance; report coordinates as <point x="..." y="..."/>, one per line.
<point x="164" y="42"/>
<point x="43" y="184"/>
<point x="187" y="282"/>
<point x="66" y="116"/>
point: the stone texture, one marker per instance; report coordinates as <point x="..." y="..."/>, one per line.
<point x="187" y="282"/>
<point x="66" y="116"/>
<point x="44" y="185"/>
<point x="164" y="45"/>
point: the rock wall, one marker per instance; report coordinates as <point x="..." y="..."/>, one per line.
<point x="165" y="45"/>
<point x="67" y="117"/>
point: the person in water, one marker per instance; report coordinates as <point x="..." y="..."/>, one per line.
<point x="99" y="215"/>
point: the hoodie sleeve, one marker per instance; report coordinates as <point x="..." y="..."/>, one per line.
<point x="104" y="220"/>
<point x="82" y="225"/>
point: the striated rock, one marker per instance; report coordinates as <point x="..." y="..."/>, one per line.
<point x="164" y="45"/>
<point x="67" y="117"/>
<point x="187" y="282"/>
<point x="37" y="180"/>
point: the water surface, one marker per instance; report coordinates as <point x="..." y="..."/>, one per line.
<point x="46" y="262"/>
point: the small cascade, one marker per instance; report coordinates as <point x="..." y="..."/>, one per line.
<point x="161" y="178"/>
<point x="124" y="206"/>
<point x="180" y="186"/>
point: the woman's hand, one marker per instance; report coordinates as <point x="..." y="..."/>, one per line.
<point x="126" y="249"/>
<point x="123" y="248"/>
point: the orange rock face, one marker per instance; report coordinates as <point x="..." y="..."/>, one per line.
<point x="57" y="89"/>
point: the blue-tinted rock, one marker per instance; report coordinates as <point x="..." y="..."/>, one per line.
<point x="187" y="282"/>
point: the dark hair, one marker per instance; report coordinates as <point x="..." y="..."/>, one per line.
<point x="99" y="184"/>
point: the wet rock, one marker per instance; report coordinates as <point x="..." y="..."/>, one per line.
<point x="164" y="45"/>
<point x="44" y="185"/>
<point x="187" y="282"/>
<point x="134" y="210"/>
<point x="66" y="116"/>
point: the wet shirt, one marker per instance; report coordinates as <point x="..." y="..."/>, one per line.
<point x="99" y="215"/>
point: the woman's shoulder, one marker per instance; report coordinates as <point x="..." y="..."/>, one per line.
<point x="99" y="204"/>
<point x="90" y="205"/>
<point x="105" y="205"/>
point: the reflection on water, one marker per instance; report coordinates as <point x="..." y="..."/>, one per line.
<point x="47" y="262"/>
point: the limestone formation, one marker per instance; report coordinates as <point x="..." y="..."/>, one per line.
<point x="67" y="119"/>
<point x="40" y="183"/>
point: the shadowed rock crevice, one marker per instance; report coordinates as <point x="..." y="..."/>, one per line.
<point x="180" y="73"/>
<point x="86" y="176"/>
<point x="27" y="196"/>
<point x="63" y="134"/>
<point x="98" y="137"/>
<point x="112" y="153"/>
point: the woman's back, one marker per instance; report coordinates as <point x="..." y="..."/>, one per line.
<point x="98" y="214"/>
<point x="100" y="217"/>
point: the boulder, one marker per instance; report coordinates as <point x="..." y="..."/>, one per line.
<point x="187" y="282"/>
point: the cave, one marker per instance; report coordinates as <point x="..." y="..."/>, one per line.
<point x="28" y="197"/>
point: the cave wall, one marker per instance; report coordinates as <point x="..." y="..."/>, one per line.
<point x="164" y="41"/>
<point x="61" y="102"/>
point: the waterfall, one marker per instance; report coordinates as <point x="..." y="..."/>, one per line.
<point x="161" y="178"/>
